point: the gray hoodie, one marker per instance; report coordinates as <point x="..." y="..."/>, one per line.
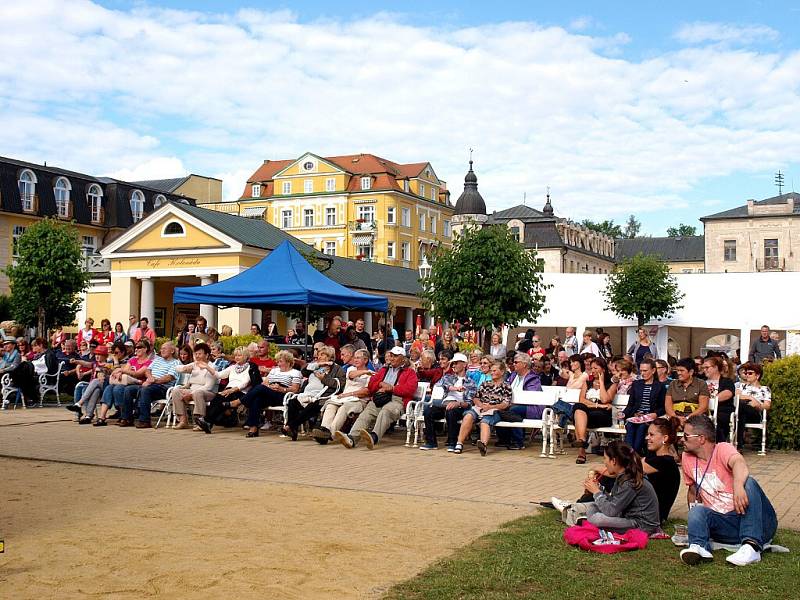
<point x="640" y="506"/>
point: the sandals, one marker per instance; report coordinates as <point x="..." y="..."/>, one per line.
<point x="581" y="460"/>
<point x="580" y="444"/>
<point x="252" y="434"/>
<point x="482" y="448"/>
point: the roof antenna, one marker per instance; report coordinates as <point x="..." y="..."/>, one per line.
<point x="524" y="197"/>
<point x="779" y="182"/>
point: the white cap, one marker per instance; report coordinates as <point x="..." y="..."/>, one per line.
<point x="398" y="350"/>
<point x="520" y="335"/>
<point x="459" y="356"/>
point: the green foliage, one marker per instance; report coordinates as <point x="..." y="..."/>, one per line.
<point x="642" y="288"/>
<point x="607" y="227"/>
<point x="487" y="277"/>
<point x="160" y="341"/>
<point x="632" y="227"/>
<point x="682" y="230"/>
<point x="467" y="347"/>
<point x="49" y="275"/>
<point x="5" y="308"/>
<point x="231" y="342"/>
<point x="783" y="420"/>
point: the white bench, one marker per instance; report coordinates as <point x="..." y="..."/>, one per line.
<point x="546" y="399"/>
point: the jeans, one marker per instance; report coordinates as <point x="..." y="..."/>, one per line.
<point x="147" y="395"/>
<point x="114" y="395"/>
<point x="256" y="399"/>
<point x="432" y="413"/>
<point x="129" y="395"/>
<point x="634" y="435"/>
<point x="513" y="436"/>
<point x="603" y="521"/>
<point x="91" y="395"/>
<point x="758" y="524"/>
<point x="488" y="419"/>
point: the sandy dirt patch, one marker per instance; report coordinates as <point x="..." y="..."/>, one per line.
<point x="75" y="531"/>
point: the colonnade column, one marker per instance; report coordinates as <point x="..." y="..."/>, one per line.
<point x="208" y="311"/>
<point x="368" y="321"/>
<point x="345" y="314"/>
<point x="258" y="316"/>
<point x="409" y="320"/>
<point x="147" y="303"/>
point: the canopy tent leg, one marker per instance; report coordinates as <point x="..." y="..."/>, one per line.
<point x="305" y="336"/>
<point x="172" y="327"/>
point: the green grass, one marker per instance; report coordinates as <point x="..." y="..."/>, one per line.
<point x="528" y="558"/>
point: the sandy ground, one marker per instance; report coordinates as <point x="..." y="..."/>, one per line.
<point x="75" y="531"/>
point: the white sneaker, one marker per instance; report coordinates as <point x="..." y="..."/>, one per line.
<point x="695" y="554"/>
<point x="745" y="555"/>
<point x="560" y="504"/>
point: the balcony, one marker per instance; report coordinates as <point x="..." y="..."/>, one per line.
<point x="94" y="263"/>
<point x="362" y="226"/>
<point x="772" y="263"/>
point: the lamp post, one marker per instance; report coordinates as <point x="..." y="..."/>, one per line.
<point x="424" y="273"/>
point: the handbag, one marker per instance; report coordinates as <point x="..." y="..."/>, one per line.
<point x="381" y="399"/>
<point x="510" y="416"/>
<point x="564" y="411"/>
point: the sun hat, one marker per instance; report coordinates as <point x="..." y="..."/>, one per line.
<point x="398" y="350"/>
<point x="459" y="356"/>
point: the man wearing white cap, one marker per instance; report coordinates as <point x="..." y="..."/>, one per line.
<point x="392" y="388"/>
<point x="10" y="358"/>
<point x="456" y="396"/>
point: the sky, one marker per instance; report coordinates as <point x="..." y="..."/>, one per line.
<point x="669" y="111"/>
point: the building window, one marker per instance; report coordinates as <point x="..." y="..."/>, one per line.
<point x="771" y="254"/>
<point x="256" y="190"/>
<point x="89" y="245"/>
<point x="422" y="219"/>
<point x="447" y="231"/>
<point x="390" y="215"/>
<point x="422" y="189"/>
<point x="27" y="189"/>
<point x="405" y="251"/>
<point x="94" y="198"/>
<point x="173" y="229"/>
<point x="308" y="166"/>
<point x="61" y="191"/>
<point x="330" y="248"/>
<point x="308" y="186"/>
<point x="287" y="187"/>
<point x="514" y="232"/>
<point x="405" y="185"/>
<point x="433" y="194"/>
<point x="159" y="201"/>
<point x="729" y="250"/>
<point x="366" y="213"/>
<point x="330" y="184"/>
<point x="137" y="205"/>
<point x="308" y="217"/>
<point x="16" y="233"/>
<point x="433" y="224"/>
<point x="330" y="216"/>
<point x="286" y="218"/>
<point x="366" y="183"/>
<point x="390" y="250"/>
<point x="405" y="217"/>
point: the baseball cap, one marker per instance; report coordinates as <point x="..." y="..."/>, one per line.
<point x="9" y="340"/>
<point x="130" y="343"/>
<point x="101" y="349"/>
<point x="459" y="356"/>
<point x="398" y="350"/>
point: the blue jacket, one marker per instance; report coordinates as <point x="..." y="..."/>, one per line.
<point x="531" y="383"/>
<point x="450" y="379"/>
<point x="657" y="396"/>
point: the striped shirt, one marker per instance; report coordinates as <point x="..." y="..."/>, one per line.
<point x="285" y="378"/>
<point x="161" y="367"/>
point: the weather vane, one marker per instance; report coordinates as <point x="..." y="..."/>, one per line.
<point x="779" y="182"/>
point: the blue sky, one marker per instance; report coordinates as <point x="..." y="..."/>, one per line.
<point x="670" y="111"/>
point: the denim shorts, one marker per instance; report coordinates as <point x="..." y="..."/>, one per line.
<point x="488" y="419"/>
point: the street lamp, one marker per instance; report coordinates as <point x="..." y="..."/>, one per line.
<point x="424" y="273"/>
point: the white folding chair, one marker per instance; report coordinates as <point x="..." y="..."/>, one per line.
<point x="410" y="415"/>
<point x="48" y="382"/>
<point x="762" y="425"/>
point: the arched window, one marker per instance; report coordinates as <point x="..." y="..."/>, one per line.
<point x="159" y="201"/>
<point x="61" y="191"/>
<point x="94" y="198"/>
<point x="27" y="189"/>
<point x="137" y="205"/>
<point x="173" y="229"/>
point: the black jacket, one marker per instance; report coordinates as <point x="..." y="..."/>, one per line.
<point x="657" y="396"/>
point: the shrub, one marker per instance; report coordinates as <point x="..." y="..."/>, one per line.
<point x="231" y="342"/>
<point x="467" y="347"/>
<point x="783" y="421"/>
<point x="160" y="341"/>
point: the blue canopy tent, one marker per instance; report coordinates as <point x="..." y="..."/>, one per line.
<point x="282" y="280"/>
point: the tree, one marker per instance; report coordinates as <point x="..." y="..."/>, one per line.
<point x="487" y="278"/>
<point x="642" y="287"/>
<point x="48" y="277"/>
<point x="632" y="227"/>
<point x="608" y="227"/>
<point x="682" y="230"/>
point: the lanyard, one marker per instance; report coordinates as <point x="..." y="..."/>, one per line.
<point x="699" y="484"/>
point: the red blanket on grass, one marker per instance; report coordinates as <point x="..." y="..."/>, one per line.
<point x="585" y="534"/>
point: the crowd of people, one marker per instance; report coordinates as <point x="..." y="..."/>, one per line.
<point x="356" y="387"/>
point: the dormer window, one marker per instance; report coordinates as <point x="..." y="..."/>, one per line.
<point x="366" y="183"/>
<point x="137" y="205"/>
<point x="159" y="201"/>
<point x="256" y="190"/>
<point x="27" y="189"/>
<point x="61" y="192"/>
<point x="405" y="185"/>
<point x="422" y="189"/>
<point x="94" y="198"/>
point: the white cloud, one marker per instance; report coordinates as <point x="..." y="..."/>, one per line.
<point x="153" y="93"/>
<point x="700" y="32"/>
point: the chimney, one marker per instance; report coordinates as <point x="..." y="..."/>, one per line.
<point x="750" y="206"/>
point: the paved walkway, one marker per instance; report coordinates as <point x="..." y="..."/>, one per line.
<point x="503" y="477"/>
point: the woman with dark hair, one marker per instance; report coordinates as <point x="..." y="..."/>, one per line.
<point x="722" y="390"/>
<point x="754" y="398"/>
<point x="555" y="346"/>
<point x="185" y="337"/>
<point x="631" y="503"/>
<point x="593" y="413"/>
<point x="106" y="334"/>
<point x="200" y="386"/>
<point x="659" y="465"/>
<point x="119" y="333"/>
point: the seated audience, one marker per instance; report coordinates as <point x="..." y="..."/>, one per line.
<point x="721" y="390"/>
<point x="199" y="388"/>
<point x="280" y="380"/>
<point x="25" y="350"/>
<point x="241" y="375"/>
<point x="457" y="391"/>
<point x="69" y="371"/>
<point x="123" y="385"/>
<point x="754" y="399"/>
<point x="350" y="402"/>
<point x="659" y="464"/>
<point x="218" y="358"/>
<point x="159" y="376"/>
<point x="492" y="397"/>
<point x="428" y="370"/>
<point x="11" y="356"/>
<point x="497" y="350"/>
<point x="588" y="346"/>
<point x="483" y="373"/>
<point x="522" y="378"/>
<point x="448" y="342"/>
<point x="726" y="504"/>
<point x="624" y="375"/>
<point x="645" y="404"/>
<point x="687" y="396"/>
<point x="593" y="410"/>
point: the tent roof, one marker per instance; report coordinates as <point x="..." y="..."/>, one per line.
<point x="281" y="280"/>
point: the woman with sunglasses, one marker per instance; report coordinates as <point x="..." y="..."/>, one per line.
<point x="25" y="350"/>
<point x="125" y="380"/>
<point x="721" y="389"/>
<point x="754" y="398"/>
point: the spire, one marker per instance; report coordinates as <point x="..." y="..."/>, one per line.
<point x="548" y="207"/>
<point x="470" y="202"/>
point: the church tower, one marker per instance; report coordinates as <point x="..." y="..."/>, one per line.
<point x="470" y="207"/>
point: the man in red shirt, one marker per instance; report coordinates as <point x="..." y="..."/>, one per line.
<point x="262" y="359"/>
<point x="331" y="336"/>
<point x="144" y="331"/>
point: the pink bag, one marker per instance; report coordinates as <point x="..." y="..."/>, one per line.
<point x="584" y="534"/>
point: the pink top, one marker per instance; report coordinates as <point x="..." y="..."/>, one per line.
<point x="715" y="477"/>
<point x="138" y="365"/>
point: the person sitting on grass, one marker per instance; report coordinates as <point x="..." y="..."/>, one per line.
<point x="491" y="398"/>
<point x="158" y="377"/>
<point x="457" y="391"/>
<point x="590" y="412"/>
<point x="324" y="378"/>
<point x="350" y="402"/>
<point x="241" y="374"/>
<point x="726" y="504"/>
<point x="630" y="504"/>
<point x="200" y="387"/>
<point x="391" y="389"/>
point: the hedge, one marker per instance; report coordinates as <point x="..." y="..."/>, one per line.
<point x="783" y="420"/>
<point x="231" y="342"/>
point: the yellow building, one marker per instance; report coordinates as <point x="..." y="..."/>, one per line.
<point x="357" y="206"/>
